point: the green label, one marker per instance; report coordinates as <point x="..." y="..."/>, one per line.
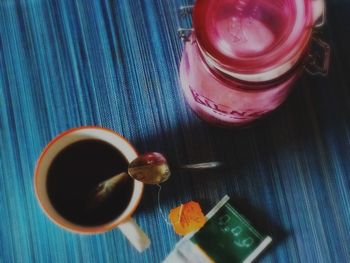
<point x="227" y="236"/>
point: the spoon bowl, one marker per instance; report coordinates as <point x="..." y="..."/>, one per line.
<point x="150" y="168"/>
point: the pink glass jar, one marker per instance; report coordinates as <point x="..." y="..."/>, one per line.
<point x="242" y="56"/>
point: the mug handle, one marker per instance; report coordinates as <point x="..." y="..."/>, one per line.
<point x="135" y="234"/>
<point x="318" y="12"/>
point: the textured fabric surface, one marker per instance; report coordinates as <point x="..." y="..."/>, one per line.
<point x="114" y="63"/>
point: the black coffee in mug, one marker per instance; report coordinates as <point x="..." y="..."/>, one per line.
<point x="74" y="174"/>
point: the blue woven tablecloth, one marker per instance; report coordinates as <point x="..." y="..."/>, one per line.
<point x="114" y="63"/>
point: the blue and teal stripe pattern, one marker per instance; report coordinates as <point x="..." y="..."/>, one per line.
<point x="114" y="63"/>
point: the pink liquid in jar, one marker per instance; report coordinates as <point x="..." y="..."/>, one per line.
<point x="243" y="57"/>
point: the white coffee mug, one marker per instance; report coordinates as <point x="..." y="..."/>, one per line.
<point x="124" y="221"/>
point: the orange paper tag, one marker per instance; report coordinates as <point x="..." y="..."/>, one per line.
<point x="187" y="218"/>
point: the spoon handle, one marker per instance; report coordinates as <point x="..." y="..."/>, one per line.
<point x="104" y="189"/>
<point x="202" y="166"/>
<point x="110" y="183"/>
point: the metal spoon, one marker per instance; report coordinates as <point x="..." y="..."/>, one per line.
<point x="150" y="168"/>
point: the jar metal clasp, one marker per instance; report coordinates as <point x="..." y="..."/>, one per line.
<point x="318" y="58"/>
<point x="184" y="33"/>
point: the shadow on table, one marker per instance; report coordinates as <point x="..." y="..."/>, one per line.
<point x="249" y="153"/>
<point x="253" y="153"/>
<point x="316" y="106"/>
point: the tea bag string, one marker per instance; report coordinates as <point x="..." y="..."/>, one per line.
<point x="159" y="206"/>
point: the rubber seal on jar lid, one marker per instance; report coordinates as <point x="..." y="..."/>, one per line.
<point x="252" y="36"/>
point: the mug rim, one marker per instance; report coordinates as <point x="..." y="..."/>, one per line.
<point x="81" y="229"/>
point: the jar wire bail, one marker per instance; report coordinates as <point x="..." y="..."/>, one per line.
<point x="184" y="33"/>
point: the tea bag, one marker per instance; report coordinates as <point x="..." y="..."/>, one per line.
<point x="226" y="237"/>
